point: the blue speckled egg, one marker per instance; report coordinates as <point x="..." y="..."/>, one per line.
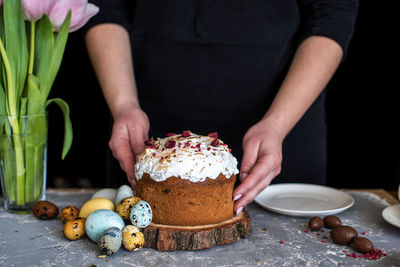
<point x="110" y="242"/>
<point x="124" y="191"/>
<point x="141" y="214"/>
<point x="101" y="220"/>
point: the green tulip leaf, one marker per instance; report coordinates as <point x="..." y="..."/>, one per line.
<point x="68" y="133"/>
<point x="36" y="103"/>
<point x="16" y="46"/>
<point x="44" y="48"/>
<point x="3" y="110"/>
<point x="49" y="65"/>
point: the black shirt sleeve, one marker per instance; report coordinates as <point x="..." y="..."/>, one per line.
<point x="331" y="18"/>
<point x="112" y="11"/>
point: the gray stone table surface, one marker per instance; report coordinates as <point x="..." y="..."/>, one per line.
<point x="27" y="241"/>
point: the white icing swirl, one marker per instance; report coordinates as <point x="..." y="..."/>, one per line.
<point x="194" y="158"/>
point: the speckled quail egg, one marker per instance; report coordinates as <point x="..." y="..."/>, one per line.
<point x="45" y="210"/>
<point x="141" y="214"/>
<point x="132" y="238"/>
<point x="125" y="206"/>
<point x="69" y="213"/>
<point x="101" y="220"/>
<point x="74" y="229"/>
<point x="124" y="191"/>
<point x="108" y="193"/>
<point x="111" y="240"/>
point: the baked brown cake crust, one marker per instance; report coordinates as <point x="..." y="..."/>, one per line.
<point x="177" y="201"/>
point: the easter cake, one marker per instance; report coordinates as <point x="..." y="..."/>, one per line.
<point x="187" y="179"/>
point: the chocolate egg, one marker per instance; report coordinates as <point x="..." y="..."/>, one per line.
<point x="332" y="221"/>
<point x="362" y="245"/>
<point x="132" y="238"/>
<point x="315" y="223"/>
<point x="343" y="234"/>
<point x="69" y="213"/>
<point x="141" y="214"/>
<point x="45" y="210"/>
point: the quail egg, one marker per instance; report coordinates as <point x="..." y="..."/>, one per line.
<point x="124" y="191"/>
<point x="132" y="238"/>
<point x="69" y="213"/>
<point x="111" y="240"/>
<point x="45" y="210"/>
<point x="125" y="206"/>
<point x="74" y="229"/>
<point x="141" y="214"/>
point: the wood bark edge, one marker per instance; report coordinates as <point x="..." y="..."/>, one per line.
<point x="168" y="238"/>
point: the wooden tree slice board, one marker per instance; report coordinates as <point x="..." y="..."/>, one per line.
<point x="173" y="237"/>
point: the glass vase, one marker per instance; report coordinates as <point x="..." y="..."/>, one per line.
<point x="23" y="158"/>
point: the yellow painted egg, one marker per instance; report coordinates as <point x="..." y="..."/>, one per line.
<point x="96" y="204"/>
<point x="132" y="238"/>
<point x="74" y="229"/>
<point x="125" y="206"/>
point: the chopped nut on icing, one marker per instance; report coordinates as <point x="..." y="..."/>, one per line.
<point x="188" y="156"/>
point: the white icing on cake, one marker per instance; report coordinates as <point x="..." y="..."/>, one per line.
<point x="194" y="158"/>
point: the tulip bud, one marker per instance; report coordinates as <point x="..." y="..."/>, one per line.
<point x="81" y="12"/>
<point x="35" y="9"/>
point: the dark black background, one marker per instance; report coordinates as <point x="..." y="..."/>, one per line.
<point x="362" y="112"/>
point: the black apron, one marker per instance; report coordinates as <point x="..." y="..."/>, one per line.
<point x="209" y="66"/>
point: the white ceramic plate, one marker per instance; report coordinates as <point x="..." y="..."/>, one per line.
<point x="391" y="214"/>
<point x="303" y="200"/>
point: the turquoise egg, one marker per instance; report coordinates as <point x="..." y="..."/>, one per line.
<point x="101" y="220"/>
<point x="111" y="240"/>
<point x="141" y="214"/>
<point x="124" y="191"/>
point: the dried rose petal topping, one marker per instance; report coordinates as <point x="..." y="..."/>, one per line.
<point x="170" y="134"/>
<point x="149" y="142"/>
<point x="213" y="135"/>
<point x="185" y="133"/>
<point x="170" y="144"/>
<point x="215" y="142"/>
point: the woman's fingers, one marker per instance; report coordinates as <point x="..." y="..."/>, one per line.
<point x="127" y="140"/>
<point x="121" y="148"/>
<point x="250" y="155"/>
<point x="259" y="178"/>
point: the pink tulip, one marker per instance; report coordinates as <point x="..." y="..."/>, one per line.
<point x="35" y="9"/>
<point x="81" y="12"/>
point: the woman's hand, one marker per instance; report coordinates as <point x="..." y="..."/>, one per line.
<point x="262" y="158"/>
<point x="314" y="63"/>
<point x="129" y="132"/>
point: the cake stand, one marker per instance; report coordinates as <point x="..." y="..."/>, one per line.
<point x="173" y="237"/>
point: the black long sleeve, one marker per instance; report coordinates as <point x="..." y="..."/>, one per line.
<point x="112" y="11"/>
<point x="331" y="18"/>
<point x="216" y="65"/>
